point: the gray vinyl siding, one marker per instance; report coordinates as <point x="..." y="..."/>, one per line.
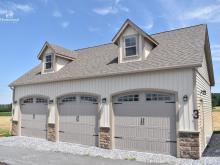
<point x="206" y="115"/>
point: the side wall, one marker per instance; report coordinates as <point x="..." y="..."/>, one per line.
<point x="204" y="104"/>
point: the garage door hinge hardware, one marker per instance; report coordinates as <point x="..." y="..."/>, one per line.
<point x="142" y="121"/>
<point x="95" y="135"/>
<point x="117" y="103"/>
<point x="118" y="137"/>
<point x="170" y="141"/>
<point x="61" y="131"/>
<point x="170" y="102"/>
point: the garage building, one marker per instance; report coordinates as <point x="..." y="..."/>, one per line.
<point x="141" y="92"/>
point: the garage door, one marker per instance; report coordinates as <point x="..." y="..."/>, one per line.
<point x="145" y="122"/>
<point x="34" y="117"/>
<point x="79" y="119"/>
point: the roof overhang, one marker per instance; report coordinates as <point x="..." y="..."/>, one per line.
<point x="209" y="59"/>
<point x="127" y="23"/>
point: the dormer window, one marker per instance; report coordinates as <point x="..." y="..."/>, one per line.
<point x="48" y="61"/>
<point x="130" y="46"/>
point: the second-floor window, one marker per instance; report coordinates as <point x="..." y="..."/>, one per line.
<point x="130" y="46"/>
<point x="49" y="61"/>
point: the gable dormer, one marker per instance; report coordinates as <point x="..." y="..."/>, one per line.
<point x="54" y="58"/>
<point x="134" y="44"/>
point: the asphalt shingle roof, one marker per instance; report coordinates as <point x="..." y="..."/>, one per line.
<point x="177" y="49"/>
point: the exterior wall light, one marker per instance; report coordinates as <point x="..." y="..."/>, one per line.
<point x="203" y="92"/>
<point x="185" y="98"/>
<point x="51" y="102"/>
<point x="104" y="100"/>
<point x="15" y="102"/>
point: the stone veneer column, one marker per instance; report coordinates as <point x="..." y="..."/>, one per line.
<point x="189" y="145"/>
<point x="51" y="125"/>
<point x="104" y="138"/>
<point x="51" y="132"/>
<point x="14" y="129"/>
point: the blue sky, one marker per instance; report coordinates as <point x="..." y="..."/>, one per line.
<point x="77" y="24"/>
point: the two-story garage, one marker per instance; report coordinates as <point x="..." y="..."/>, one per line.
<point x="141" y="92"/>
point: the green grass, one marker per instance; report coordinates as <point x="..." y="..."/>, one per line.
<point x="216" y="109"/>
<point x="4" y="132"/>
<point x="5" y="113"/>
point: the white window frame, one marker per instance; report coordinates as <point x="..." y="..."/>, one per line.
<point x="45" y="62"/>
<point x="125" y="47"/>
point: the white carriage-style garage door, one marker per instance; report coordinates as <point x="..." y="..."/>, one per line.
<point x="78" y="116"/>
<point x="34" y="112"/>
<point x="145" y="121"/>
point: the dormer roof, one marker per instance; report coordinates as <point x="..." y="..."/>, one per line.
<point x="59" y="51"/>
<point x="127" y="23"/>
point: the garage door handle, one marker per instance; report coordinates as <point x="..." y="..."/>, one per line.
<point x="118" y="137"/>
<point x="170" y="102"/>
<point x="95" y="135"/>
<point x="61" y="131"/>
<point x="170" y="141"/>
<point x="117" y="103"/>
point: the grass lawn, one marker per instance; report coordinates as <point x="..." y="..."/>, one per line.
<point x="216" y="109"/>
<point x="4" y="132"/>
<point x="5" y="113"/>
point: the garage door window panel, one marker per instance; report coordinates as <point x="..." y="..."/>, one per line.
<point x="88" y="99"/>
<point x="129" y="98"/>
<point x="28" y="100"/>
<point x="158" y="97"/>
<point x="68" y="99"/>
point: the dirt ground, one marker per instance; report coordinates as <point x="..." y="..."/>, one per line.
<point x="5" y="122"/>
<point x="216" y="120"/>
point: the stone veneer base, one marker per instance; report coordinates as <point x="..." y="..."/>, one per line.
<point x="189" y="145"/>
<point x="104" y="138"/>
<point x="51" y="132"/>
<point x="14" y="130"/>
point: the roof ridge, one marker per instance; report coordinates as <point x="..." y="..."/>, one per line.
<point x="94" y="46"/>
<point x="167" y="31"/>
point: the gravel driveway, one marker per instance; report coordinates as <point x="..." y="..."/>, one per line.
<point x="25" y="156"/>
<point x="33" y="151"/>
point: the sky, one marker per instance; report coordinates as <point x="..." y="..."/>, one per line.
<point x="77" y="24"/>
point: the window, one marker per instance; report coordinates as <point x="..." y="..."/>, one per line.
<point x="41" y="100"/>
<point x="88" y="99"/>
<point x="128" y="98"/>
<point x="48" y="61"/>
<point x="69" y="99"/>
<point x="158" y="97"/>
<point x="130" y="46"/>
<point x="28" y="100"/>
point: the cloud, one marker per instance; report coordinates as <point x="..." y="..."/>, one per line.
<point x="209" y="13"/>
<point x="57" y="14"/>
<point x="10" y="8"/>
<point x="148" y="26"/>
<point x="106" y="10"/>
<point x="93" y="29"/>
<point x="65" y="24"/>
<point x="115" y="8"/>
<point x="23" y="7"/>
